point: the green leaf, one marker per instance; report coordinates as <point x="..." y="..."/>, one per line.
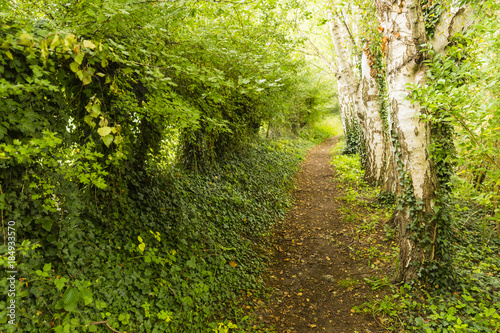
<point x="118" y="139"/>
<point x="86" y="295"/>
<point x="88" y="44"/>
<point x="104" y="131"/>
<point x="47" y="267"/>
<point x="141" y="247"/>
<point x="88" y="120"/>
<point x="74" y="67"/>
<point x="96" y="110"/>
<point x="87" y="76"/>
<point x="108" y="139"/>
<point x="8" y="54"/>
<point x="25" y="39"/>
<point x="47" y="223"/>
<point x="70" y="298"/>
<point x="127" y="70"/>
<point x="79" y="58"/>
<point x="70" y="307"/>
<point x="59" y="283"/>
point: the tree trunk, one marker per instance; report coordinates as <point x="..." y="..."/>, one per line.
<point x="348" y="117"/>
<point x="348" y="83"/>
<point x="372" y="125"/>
<point x="404" y="33"/>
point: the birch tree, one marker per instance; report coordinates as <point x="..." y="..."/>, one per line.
<point x="359" y="94"/>
<point x="348" y="81"/>
<point x="404" y="35"/>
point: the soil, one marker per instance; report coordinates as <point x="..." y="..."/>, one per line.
<point x="315" y="282"/>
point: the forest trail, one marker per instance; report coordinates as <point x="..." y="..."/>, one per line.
<point x="313" y="278"/>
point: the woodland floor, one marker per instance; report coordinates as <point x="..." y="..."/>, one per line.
<point x="315" y="280"/>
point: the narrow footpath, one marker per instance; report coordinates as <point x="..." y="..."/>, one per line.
<point x="316" y="283"/>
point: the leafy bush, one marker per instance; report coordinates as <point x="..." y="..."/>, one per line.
<point x="176" y="254"/>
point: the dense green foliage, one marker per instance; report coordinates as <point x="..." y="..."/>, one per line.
<point x="187" y="247"/>
<point x="132" y="162"/>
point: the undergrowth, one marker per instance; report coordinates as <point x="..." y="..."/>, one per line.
<point x="364" y="215"/>
<point x="176" y="256"/>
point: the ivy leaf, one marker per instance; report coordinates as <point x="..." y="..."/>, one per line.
<point x="104" y="131"/>
<point x="47" y="223"/>
<point x="191" y="262"/>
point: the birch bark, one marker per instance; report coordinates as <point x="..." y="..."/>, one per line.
<point x="372" y="125"/>
<point x="404" y="35"/>
<point x="348" y="82"/>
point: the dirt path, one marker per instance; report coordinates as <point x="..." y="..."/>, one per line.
<point x="315" y="280"/>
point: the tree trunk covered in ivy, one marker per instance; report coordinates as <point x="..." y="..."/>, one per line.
<point x="421" y="223"/>
<point x="359" y="98"/>
<point x="404" y="33"/>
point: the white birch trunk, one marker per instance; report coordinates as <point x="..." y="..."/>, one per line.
<point x="404" y="34"/>
<point x="347" y="112"/>
<point x="347" y="80"/>
<point x="363" y="97"/>
<point x="372" y="125"/>
<point x="404" y="31"/>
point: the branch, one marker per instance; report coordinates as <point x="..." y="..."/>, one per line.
<point x="473" y="137"/>
<point x="319" y="54"/>
<point x="348" y="30"/>
<point x="106" y="323"/>
<point x="452" y="21"/>
<point x="305" y="52"/>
